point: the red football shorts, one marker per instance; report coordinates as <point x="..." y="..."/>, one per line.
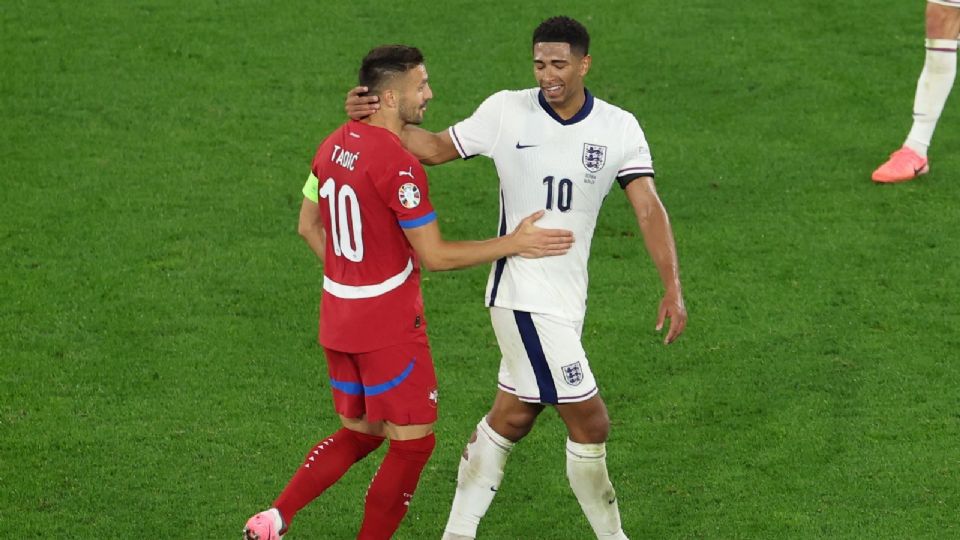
<point x="397" y="384"/>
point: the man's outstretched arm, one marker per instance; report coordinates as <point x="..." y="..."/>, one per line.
<point x="527" y="240"/>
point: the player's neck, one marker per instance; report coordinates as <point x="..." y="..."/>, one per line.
<point x="569" y="108"/>
<point x="382" y="119"/>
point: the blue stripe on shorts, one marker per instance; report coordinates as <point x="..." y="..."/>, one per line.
<point x="355" y="389"/>
<point x="538" y="360"/>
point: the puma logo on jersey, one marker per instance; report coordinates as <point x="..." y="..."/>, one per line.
<point x="408" y="172"/>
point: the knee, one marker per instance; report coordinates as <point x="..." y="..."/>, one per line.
<point x="512" y="425"/>
<point x="412" y="453"/>
<point x="361" y="425"/>
<point x="408" y="432"/>
<point x="521" y="423"/>
<point x="942" y="22"/>
<point x="594" y="430"/>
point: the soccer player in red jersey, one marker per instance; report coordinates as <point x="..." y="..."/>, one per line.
<point x="367" y="215"/>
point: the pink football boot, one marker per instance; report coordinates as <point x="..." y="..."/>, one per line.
<point x="264" y="526"/>
<point x="903" y="165"/>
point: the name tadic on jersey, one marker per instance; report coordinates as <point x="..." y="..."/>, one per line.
<point x="344" y="157"/>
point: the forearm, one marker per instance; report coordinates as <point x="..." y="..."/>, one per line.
<point x="658" y="237"/>
<point x="428" y="147"/>
<point x="316" y="240"/>
<point x="657" y="234"/>
<point x="309" y="225"/>
<point x="463" y="254"/>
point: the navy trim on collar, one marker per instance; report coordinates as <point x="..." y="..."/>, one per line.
<point x="581" y="114"/>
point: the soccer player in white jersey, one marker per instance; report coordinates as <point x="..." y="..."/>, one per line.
<point x="933" y="87"/>
<point x="556" y="148"/>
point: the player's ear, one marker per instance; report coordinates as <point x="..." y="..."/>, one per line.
<point x="585" y="65"/>
<point x="389" y="97"/>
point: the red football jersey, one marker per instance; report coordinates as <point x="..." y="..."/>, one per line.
<point x="370" y="189"/>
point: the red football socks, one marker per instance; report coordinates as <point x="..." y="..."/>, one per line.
<point x="392" y="488"/>
<point x="323" y="466"/>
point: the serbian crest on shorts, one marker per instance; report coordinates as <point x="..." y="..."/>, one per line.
<point x="594" y="156"/>
<point x="409" y="195"/>
<point x="572" y="373"/>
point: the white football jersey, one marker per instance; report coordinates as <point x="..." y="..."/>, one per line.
<point x="565" y="167"/>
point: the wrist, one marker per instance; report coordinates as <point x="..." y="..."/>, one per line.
<point x="513" y="244"/>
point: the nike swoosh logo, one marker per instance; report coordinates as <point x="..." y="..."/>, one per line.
<point x="522" y="146"/>
<point x="611" y="501"/>
<point x="493" y="489"/>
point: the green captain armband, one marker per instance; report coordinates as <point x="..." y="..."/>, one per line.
<point x="311" y="188"/>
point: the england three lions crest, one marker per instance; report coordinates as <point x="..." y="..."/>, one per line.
<point x="594" y="156"/>
<point x="572" y="373"/>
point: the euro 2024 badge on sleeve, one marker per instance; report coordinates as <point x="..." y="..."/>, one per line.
<point x="409" y="195"/>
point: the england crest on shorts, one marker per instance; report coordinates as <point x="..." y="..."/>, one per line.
<point x="594" y="156"/>
<point x="572" y="373"/>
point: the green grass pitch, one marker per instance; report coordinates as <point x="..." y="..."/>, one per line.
<point x="157" y="308"/>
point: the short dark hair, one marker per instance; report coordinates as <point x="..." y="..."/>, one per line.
<point x="385" y="62"/>
<point x="563" y="30"/>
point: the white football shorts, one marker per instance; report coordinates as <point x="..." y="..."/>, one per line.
<point x="948" y="3"/>
<point x="543" y="359"/>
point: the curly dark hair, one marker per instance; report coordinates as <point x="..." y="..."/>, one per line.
<point x="563" y="30"/>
